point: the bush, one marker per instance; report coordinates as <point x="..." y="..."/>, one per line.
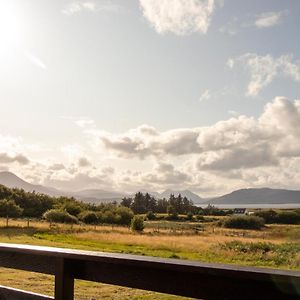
<point x="89" y="217"/>
<point x="151" y="215"/>
<point x="137" y="223"/>
<point x="288" y="217"/>
<point x="189" y="216"/>
<point x="243" y="222"/>
<point x="59" y="216"/>
<point x="270" y="216"/>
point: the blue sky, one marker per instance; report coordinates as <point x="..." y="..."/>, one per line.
<point x="153" y="94"/>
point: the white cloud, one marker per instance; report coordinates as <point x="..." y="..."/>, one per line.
<point x="206" y="95"/>
<point x="178" y="16"/>
<point x="235" y="153"/>
<point x="268" y="19"/>
<point x="239" y="142"/>
<point x="85" y="122"/>
<point x="264" y="69"/>
<point x="77" y="7"/>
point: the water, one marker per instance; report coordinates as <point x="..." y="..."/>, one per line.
<point x="232" y="206"/>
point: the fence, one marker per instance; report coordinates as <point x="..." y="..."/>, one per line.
<point x="178" y="277"/>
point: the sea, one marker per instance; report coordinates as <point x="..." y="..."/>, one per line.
<point x="232" y="206"/>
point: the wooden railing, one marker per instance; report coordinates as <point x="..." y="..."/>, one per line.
<point x="178" y="277"/>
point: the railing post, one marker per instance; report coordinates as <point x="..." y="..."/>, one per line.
<point x="64" y="281"/>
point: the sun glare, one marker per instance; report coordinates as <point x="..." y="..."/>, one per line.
<point x="11" y="32"/>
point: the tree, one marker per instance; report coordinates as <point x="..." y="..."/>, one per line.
<point x="126" y="202"/>
<point x="138" y="205"/>
<point x="9" y="209"/>
<point x="125" y="214"/>
<point x="172" y="213"/>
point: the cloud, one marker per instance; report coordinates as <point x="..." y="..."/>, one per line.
<point x="264" y="20"/>
<point x="83" y="162"/>
<point x="84" y="122"/>
<point x="238" y="158"/>
<point x="180" y="17"/>
<point x="268" y="19"/>
<point x="57" y="167"/>
<point x="165" y="174"/>
<point x="137" y="143"/>
<point x="239" y="152"/>
<point x="77" y="7"/>
<point x="264" y="69"/>
<point x="19" y="158"/>
<point x="239" y="142"/>
<point x="206" y="95"/>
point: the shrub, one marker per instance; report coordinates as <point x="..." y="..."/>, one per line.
<point x="89" y="217"/>
<point x="151" y="215"/>
<point x="270" y="216"/>
<point x="59" y="216"/>
<point x="200" y="218"/>
<point x="189" y="216"/>
<point x="288" y="217"/>
<point x="137" y="223"/>
<point x="243" y="222"/>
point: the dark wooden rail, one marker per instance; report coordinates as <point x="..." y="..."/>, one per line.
<point x="178" y="277"/>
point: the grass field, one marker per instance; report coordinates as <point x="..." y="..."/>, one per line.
<point x="277" y="246"/>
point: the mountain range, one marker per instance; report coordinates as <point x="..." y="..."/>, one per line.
<point x="238" y="197"/>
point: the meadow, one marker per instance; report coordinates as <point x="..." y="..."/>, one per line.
<point x="275" y="246"/>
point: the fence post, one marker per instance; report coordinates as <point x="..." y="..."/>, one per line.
<point x="64" y="282"/>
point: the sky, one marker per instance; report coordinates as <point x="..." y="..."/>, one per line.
<point x="151" y="94"/>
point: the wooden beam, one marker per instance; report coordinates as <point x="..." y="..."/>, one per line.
<point x="178" y="277"/>
<point x="7" y="293"/>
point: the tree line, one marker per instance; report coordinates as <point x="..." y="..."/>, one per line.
<point x="15" y="202"/>
<point x="142" y="203"/>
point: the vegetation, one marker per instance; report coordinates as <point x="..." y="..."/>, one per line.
<point x="243" y="222"/>
<point x="275" y="246"/>
<point x="281" y="217"/>
<point x="143" y="203"/>
<point x="137" y="224"/>
<point x="59" y="216"/>
<point x="9" y="208"/>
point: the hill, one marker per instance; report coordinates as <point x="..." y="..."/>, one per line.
<point x="185" y="193"/>
<point x="92" y="196"/>
<point x="258" y="196"/>
<point x="13" y="181"/>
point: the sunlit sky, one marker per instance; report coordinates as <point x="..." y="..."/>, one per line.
<point x="151" y="94"/>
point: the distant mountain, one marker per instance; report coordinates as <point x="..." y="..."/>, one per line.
<point x="185" y="193"/>
<point x="258" y="196"/>
<point x="96" y="195"/>
<point x="239" y="197"/>
<point x="93" y="195"/>
<point x="13" y="181"/>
